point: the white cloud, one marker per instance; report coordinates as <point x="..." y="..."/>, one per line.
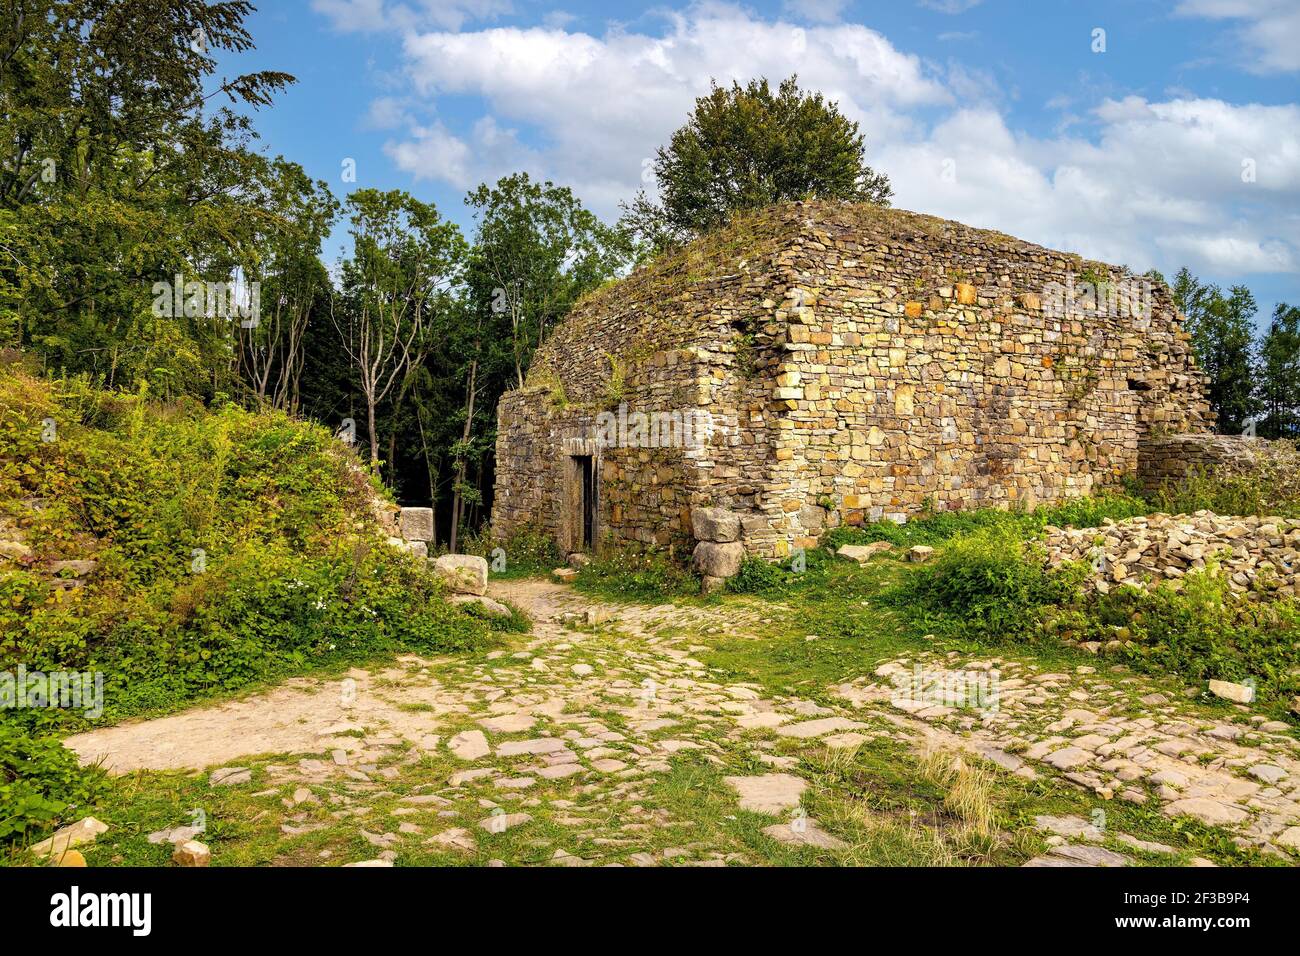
<point x="1131" y="180"/>
<point x="599" y="106"/>
<point x="1233" y="254"/>
<point x="1268" y="33"/>
<point x="386" y="112"/>
<point x="1160" y="182"/>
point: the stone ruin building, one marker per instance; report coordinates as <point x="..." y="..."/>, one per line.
<point x="825" y="363"/>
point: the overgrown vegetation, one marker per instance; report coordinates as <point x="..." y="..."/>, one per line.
<point x="40" y="783"/>
<point x="230" y="548"/>
<point x="1271" y="489"/>
<point x="637" y="574"/>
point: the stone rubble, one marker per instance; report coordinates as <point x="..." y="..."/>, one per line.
<point x="1258" y="555"/>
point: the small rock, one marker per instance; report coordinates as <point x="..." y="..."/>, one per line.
<point x="230" y="776"/>
<point x="191" y="853"/>
<point x="1240" y="693"/>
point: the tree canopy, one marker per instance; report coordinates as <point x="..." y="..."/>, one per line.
<point x="748" y="147"/>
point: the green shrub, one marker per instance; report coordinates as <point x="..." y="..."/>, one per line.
<point x="773" y="579"/>
<point x="1265" y="493"/>
<point x="990" y="585"/>
<point x="934" y="528"/>
<point x="638" y="575"/>
<point x="1203" y="631"/>
<point x="41" y="783"/>
<point x="527" y="553"/>
<point x="233" y="547"/>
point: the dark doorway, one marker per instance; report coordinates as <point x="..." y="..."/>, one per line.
<point x="586" y="517"/>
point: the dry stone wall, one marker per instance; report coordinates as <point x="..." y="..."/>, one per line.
<point x="929" y="363"/>
<point x="855" y="364"/>
<point x="1168" y="459"/>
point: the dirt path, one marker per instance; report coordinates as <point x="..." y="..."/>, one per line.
<point x="581" y="719"/>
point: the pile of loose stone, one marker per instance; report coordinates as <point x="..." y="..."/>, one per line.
<point x="1258" y="555"/>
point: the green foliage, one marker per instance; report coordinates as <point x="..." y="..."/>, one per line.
<point x="1279" y="375"/>
<point x="527" y="553"/>
<point x="805" y="572"/>
<point x="634" y="574"/>
<point x="1222" y="330"/>
<point x="41" y="783"/>
<point x="120" y="172"/>
<point x="1271" y="489"/>
<point x="990" y="585"/>
<point x="233" y="547"/>
<point x="1202" y="631"/>
<point x="749" y="147"/>
<point x="937" y="527"/>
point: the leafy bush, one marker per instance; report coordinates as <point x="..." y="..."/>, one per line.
<point x="1263" y="493"/>
<point x="527" y="553"/>
<point x="1203" y="631"/>
<point x="232" y="547"/>
<point x="772" y="578"/>
<point x="41" y="783"/>
<point x="637" y="575"/>
<point x="989" y="584"/>
<point x="932" y="528"/>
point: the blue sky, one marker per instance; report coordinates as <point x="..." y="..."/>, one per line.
<point x="1172" y="138"/>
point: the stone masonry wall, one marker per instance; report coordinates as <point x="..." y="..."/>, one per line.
<point x="657" y="342"/>
<point x="1170" y="458"/>
<point x="926" y="363"/>
<point x="856" y="364"/>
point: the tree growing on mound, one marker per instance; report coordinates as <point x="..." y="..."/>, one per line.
<point x="748" y="147"/>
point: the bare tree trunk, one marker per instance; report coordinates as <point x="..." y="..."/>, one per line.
<point x="457" y="502"/>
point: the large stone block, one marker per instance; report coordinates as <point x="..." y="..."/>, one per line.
<point x="463" y="573"/>
<point x="716" y="560"/>
<point x="715" y="524"/>
<point x="416" y="524"/>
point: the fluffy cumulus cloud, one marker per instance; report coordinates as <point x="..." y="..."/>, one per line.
<point x="1144" y="182"/>
<point x="602" y="105"/>
<point x="1266" y="37"/>
<point x="1197" y="181"/>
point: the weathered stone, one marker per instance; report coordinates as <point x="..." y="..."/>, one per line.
<point x="862" y="553"/>
<point x="83" y="831"/>
<point x="920" y="552"/>
<point x="715" y="524"/>
<point x="463" y="573"/>
<point x="495" y="608"/>
<point x="416" y="524"/>
<point x="1214" y="812"/>
<point x="843" y="409"/>
<point x="469" y="745"/>
<point x="229" y="776"/>
<point x="768" y="793"/>
<point x="804" y="831"/>
<point x="1241" y="693"/>
<point x="718" y="560"/>
<point x="191" y="853"/>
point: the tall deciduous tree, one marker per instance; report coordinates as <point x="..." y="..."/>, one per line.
<point x="536" y="250"/>
<point x="396" y="288"/>
<point x="747" y="147"/>
<point x="118" y="169"/>
<point x="293" y="216"/>
<point x="1222" y="334"/>
<point x="1279" y="374"/>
